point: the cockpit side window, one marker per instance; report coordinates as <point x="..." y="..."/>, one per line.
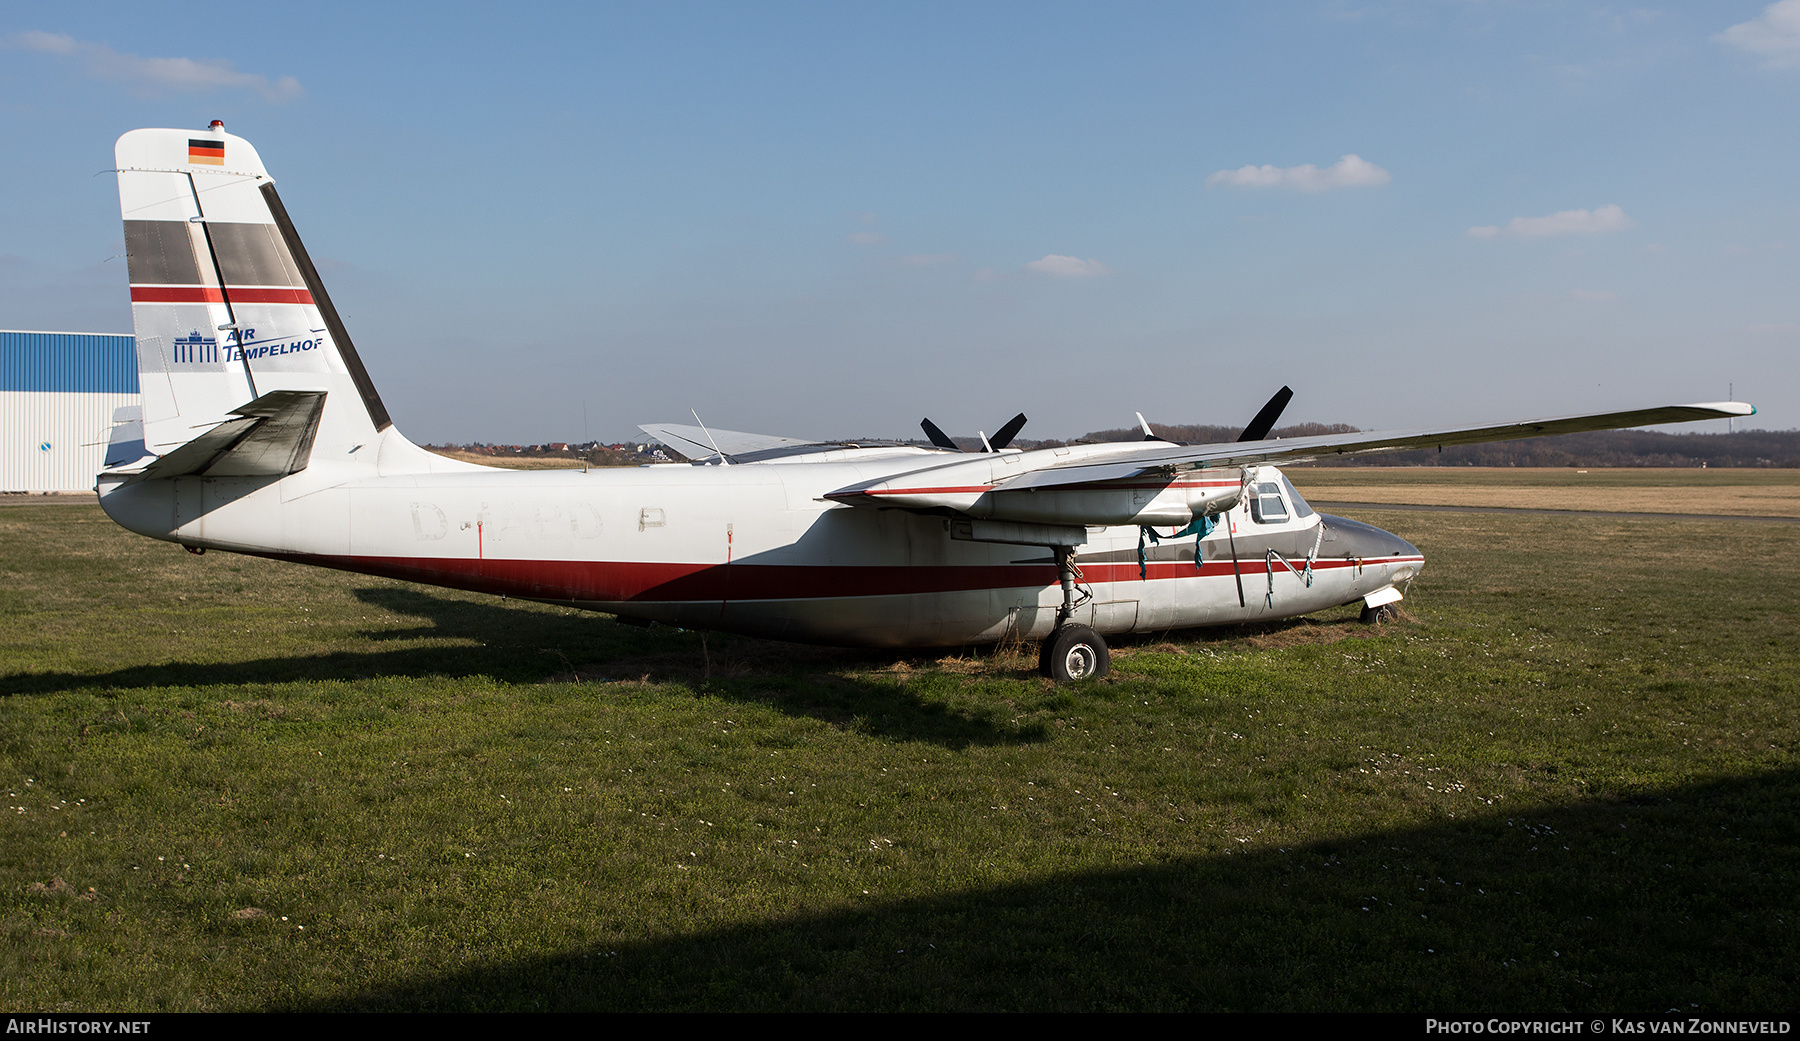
<point x="1266" y="506"/>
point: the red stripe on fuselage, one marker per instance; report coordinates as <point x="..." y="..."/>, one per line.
<point x="213" y="295"/>
<point x="625" y="581"/>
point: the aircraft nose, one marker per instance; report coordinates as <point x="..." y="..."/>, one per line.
<point x="1400" y="547"/>
<point x="1351" y="538"/>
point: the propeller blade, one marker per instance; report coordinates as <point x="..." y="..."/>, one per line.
<point x="1008" y="432"/>
<point x="938" y="437"/>
<point x="1265" y="420"/>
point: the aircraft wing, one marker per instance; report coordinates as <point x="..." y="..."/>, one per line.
<point x="695" y="442"/>
<point x="740" y="447"/>
<point x="1149" y="482"/>
<point x="1151" y="457"/>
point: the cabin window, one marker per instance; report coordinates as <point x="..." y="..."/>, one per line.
<point x="1266" y="506"/>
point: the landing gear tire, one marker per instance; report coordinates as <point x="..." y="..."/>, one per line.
<point x="1074" y="652"/>
<point x="1378" y="615"/>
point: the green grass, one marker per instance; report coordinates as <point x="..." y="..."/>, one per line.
<point x="1565" y="782"/>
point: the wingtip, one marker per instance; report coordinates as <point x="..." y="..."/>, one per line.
<point x="1731" y="408"/>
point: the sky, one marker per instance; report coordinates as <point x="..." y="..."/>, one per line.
<point x="831" y="220"/>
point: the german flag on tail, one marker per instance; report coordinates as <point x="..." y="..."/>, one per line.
<point x="206" y="153"/>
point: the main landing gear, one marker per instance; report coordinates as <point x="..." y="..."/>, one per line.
<point x="1073" y="652"/>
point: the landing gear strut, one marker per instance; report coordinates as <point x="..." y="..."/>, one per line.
<point x="1073" y="652"/>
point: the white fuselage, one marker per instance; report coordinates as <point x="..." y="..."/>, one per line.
<point x="757" y="549"/>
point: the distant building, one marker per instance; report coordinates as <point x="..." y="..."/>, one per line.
<point x="58" y="395"/>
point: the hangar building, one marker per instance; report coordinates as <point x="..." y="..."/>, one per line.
<point x="58" y="393"/>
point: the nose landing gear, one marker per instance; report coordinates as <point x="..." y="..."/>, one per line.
<point x="1378" y="615"/>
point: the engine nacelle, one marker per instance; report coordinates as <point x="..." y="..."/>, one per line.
<point x="1138" y="500"/>
<point x="1158" y="499"/>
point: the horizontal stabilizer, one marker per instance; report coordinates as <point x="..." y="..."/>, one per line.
<point x="270" y="437"/>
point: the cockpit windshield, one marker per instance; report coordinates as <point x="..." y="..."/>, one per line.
<point x="1301" y="509"/>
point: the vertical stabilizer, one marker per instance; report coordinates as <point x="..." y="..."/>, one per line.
<point x="227" y="304"/>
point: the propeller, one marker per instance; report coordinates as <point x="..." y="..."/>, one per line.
<point x="938" y="437"/>
<point x="994" y="444"/>
<point x="1265" y="420"/>
<point x="1007" y="432"/>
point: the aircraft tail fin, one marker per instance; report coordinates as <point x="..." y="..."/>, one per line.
<point x="229" y="309"/>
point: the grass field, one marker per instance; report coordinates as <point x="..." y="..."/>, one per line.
<point x="1741" y="492"/>
<point x="1566" y="781"/>
<point x="513" y="462"/>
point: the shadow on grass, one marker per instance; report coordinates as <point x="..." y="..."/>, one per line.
<point x="1677" y="900"/>
<point x="491" y="639"/>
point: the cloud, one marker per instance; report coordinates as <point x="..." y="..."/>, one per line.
<point x="1057" y="266"/>
<point x="155" y="75"/>
<point x="1352" y="171"/>
<point x="1594" y="296"/>
<point x="867" y="238"/>
<point x="1779" y="328"/>
<point x="1597" y="221"/>
<point x="1775" y="34"/>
